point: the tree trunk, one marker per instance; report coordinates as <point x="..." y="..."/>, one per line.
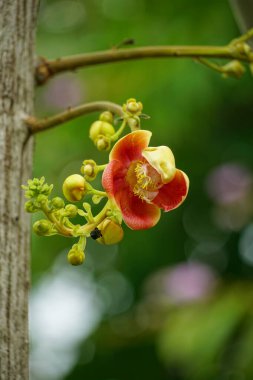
<point x="243" y="11"/>
<point x="17" y="27"/>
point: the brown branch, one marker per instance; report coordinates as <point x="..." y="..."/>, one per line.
<point x="38" y="125"/>
<point x="236" y="50"/>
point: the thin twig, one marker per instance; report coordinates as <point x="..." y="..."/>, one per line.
<point x="38" y="125"/>
<point x="234" y="50"/>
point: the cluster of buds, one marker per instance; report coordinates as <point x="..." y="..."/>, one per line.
<point x="138" y="182"/>
<point x="102" y="131"/>
<point x="133" y="110"/>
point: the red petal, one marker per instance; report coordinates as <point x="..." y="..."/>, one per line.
<point x="137" y="214"/>
<point x="173" y="193"/>
<point x="130" y="147"/>
<point x="113" y="179"/>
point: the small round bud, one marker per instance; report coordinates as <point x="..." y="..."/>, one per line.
<point x="89" y="170"/>
<point x="133" y="107"/>
<point x="112" y="232"/>
<point x="30" y="207"/>
<point x="43" y="227"/>
<point x="234" y="69"/>
<point x="106" y="116"/>
<point x="101" y="128"/>
<point x="74" y="188"/>
<point x="71" y="211"/>
<point x="76" y="256"/>
<point x="103" y="143"/>
<point x="57" y="203"/>
<point x="42" y="199"/>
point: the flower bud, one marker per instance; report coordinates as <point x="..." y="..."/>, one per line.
<point x="76" y="256"/>
<point x="234" y="69"/>
<point x="42" y="199"/>
<point x="112" y="232"/>
<point x="106" y="116"/>
<point x="89" y="170"/>
<point x="71" y="211"/>
<point x="30" y="207"/>
<point x="133" y="107"/>
<point x="74" y="188"/>
<point x="57" y="203"/>
<point x="101" y="128"/>
<point x="103" y="143"/>
<point x="43" y="227"/>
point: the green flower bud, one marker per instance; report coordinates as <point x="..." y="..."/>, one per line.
<point x="74" y="188"/>
<point x="71" y="211"/>
<point x="112" y="232"/>
<point x="57" y="203"/>
<point x="133" y="107"/>
<point x="76" y="256"/>
<point x="43" y="227"/>
<point x="103" y="143"/>
<point x="106" y="116"/>
<point x="42" y="199"/>
<point x="30" y="207"/>
<point x="89" y="170"/>
<point x="101" y="128"/>
<point x="234" y="69"/>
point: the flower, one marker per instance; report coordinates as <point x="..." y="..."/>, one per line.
<point x="142" y="180"/>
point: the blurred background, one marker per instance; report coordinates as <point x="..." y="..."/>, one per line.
<point x="174" y="302"/>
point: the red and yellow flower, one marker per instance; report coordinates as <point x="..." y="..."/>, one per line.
<point x="142" y="180"/>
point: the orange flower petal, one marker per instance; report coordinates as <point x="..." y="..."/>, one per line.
<point x="172" y="194"/>
<point x="113" y="179"/>
<point x="130" y="147"/>
<point x="137" y="214"/>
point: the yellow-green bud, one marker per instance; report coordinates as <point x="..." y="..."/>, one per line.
<point x="89" y="170"/>
<point x="112" y="232"/>
<point x="133" y="107"/>
<point x="101" y="128"/>
<point x="234" y="69"/>
<point x="42" y="198"/>
<point x="43" y="227"/>
<point x="57" y="203"/>
<point x="71" y="211"/>
<point x="103" y="143"/>
<point x="74" y="188"/>
<point x="30" y="207"/>
<point x="106" y="116"/>
<point x="76" y="256"/>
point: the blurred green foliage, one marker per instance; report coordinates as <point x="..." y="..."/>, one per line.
<point x="206" y="121"/>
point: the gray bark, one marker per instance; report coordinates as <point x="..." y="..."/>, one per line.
<point x="243" y="11"/>
<point x="17" y="26"/>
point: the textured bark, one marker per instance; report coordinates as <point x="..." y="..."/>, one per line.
<point x="17" y="26"/>
<point x="243" y="11"/>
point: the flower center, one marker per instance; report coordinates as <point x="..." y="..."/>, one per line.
<point x="144" y="180"/>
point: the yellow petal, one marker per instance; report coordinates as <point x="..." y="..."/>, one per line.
<point x="162" y="160"/>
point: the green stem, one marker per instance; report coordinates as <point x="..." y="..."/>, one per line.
<point x="119" y="131"/>
<point x="100" y="168"/>
<point x="212" y="65"/>
<point x="38" y="125"/>
<point x="245" y="37"/>
<point x="62" y="230"/>
<point x="49" y="68"/>
<point x="87" y="228"/>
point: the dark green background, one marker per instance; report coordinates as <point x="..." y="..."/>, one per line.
<point x="207" y="121"/>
